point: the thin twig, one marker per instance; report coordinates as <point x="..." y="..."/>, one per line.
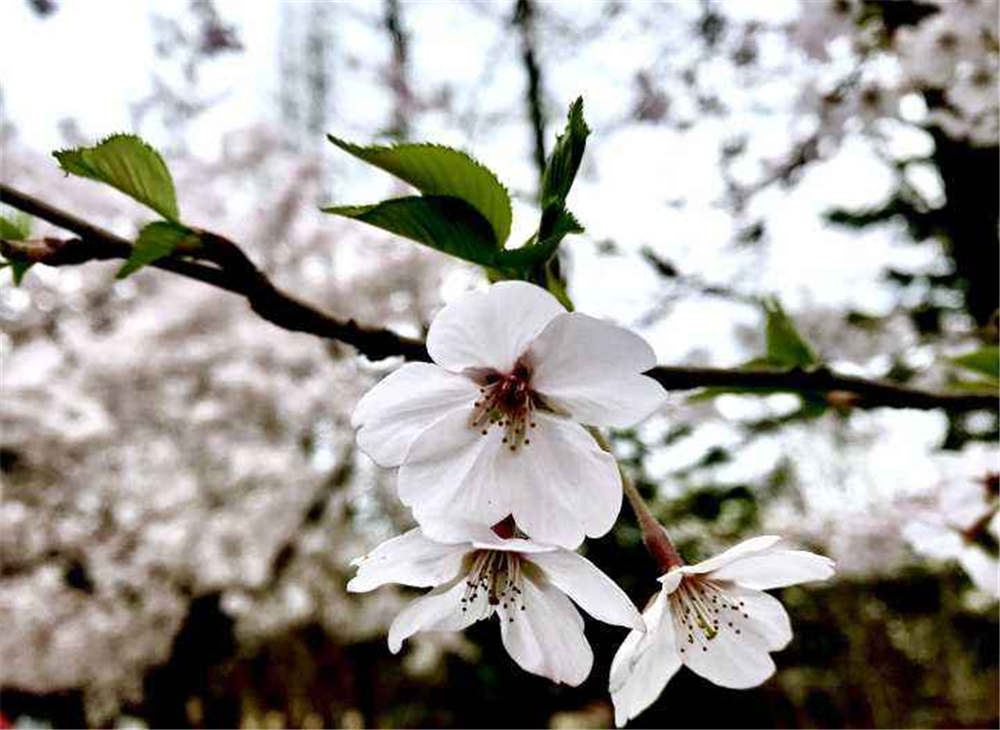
<point x="229" y="268"/>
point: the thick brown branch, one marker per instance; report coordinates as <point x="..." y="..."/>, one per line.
<point x="229" y="268"/>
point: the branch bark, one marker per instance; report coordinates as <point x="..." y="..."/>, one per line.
<point x="226" y="266"/>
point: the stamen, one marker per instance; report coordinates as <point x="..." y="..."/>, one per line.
<point x="506" y="401"/>
<point x="696" y="607"/>
<point x="495" y="575"/>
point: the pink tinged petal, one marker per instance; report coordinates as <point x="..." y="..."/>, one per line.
<point x="393" y="413"/>
<point x="450" y="472"/>
<point x="590" y="589"/>
<point x="737" y="661"/>
<point x="490" y="329"/>
<point x="982" y="569"/>
<point x="562" y="485"/>
<point x="546" y="638"/>
<point x="409" y="559"/>
<point x="747" y="547"/>
<point x="644" y="663"/>
<point x="776" y="569"/>
<point x="442" y="606"/>
<point x="766" y="616"/>
<point x="591" y="369"/>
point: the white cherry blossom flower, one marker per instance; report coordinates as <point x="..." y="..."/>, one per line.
<point x="715" y="618"/>
<point x="493" y="427"/>
<point x="524" y="583"/>
<point x="965" y="505"/>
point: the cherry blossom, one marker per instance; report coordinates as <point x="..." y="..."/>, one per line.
<point x="715" y="618"/>
<point x="492" y="428"/>
<point x="965" y="508"/>
<point x="490" y="572"/>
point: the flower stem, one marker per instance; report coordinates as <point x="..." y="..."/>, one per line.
<point x="654" y="535"/>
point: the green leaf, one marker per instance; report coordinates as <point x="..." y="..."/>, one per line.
<point x="447" y="224"/>
<point x="18" y="267"/>
<point x="155" y="241"/>
<point x="441" y="171"/>
<point x="564" y="162"/>
<point x="975" y="386"/>
<point x="127" y="163"/>
<point x="985" y="361"/>
<point x="16" y="228"/>
<point x="785" y="346"/>
<point x="533" y="254"/>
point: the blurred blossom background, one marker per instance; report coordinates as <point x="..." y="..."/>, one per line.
<point x="181" y="491"/>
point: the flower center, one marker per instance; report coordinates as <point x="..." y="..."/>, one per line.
<point x="495" y="574"/>
<point x="701" y="610"/>
<point x="506" y="401"/>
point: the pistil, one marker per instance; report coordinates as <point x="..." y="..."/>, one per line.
<point x="506" y="401"/>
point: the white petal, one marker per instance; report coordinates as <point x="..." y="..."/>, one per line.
<point x="766" y="615"/>
<point x="935" y="540"/>
<point x="591" y="370"/>
<point x="982" y="568"/>
<point x="393" y="413"/>
<point x="644" y="663"/>
<point x="547" y="638"/>
<point x="562" y="486"/>
<point x="963" y="504"/>
<point x="590" y="589"/>
<point x="776" y="569"/>
<point x="450" y="472"/>
<point x="737" y="661"/>
<point x="741" y="550"/>
<point x="492" y="328"/>
<point x="479" y="535"/>
<point x="440" y="606"/>
<point x="409" y="559"/>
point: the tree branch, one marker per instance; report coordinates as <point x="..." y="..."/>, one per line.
<point x="232" y="271"/>
<point x="229" y="268"/>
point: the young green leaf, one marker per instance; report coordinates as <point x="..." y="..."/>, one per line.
<point x="16" y="228"/>
<point x="785" y="346"/>
<point x="536" y="253"/>
<point x="155" y="241"/>
<point x="126" y="162"/>
<point x="447" y="224"/>
<point x="565" y="159"/>
<point x="985" y="361"/>
<point x="443" y="171"/>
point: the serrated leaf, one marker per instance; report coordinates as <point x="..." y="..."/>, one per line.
<point x="447" y="224"/>
<point x="985" y="360"/>
<point x="785" y="346"/>
<point x="560" y="172"/>
<point x="17" y="228"/>
<point x="126" y="162"/>
<point x="441" y="171"/>
<point x="155" y="241"/>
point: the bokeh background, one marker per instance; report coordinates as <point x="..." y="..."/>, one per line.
<point x="181" y="492"/>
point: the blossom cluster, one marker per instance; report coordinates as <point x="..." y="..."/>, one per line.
<point x="505" y="481"/>
<point x="947" y="55"/>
